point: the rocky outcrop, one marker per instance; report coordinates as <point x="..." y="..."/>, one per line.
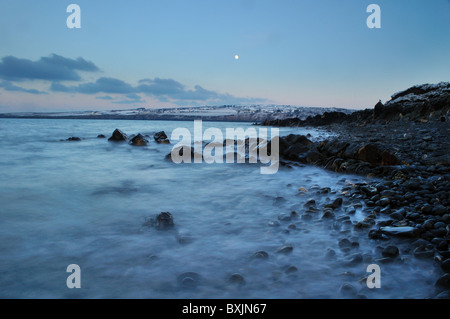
<point x="73" y="139"/>
<point x="340" y="156"/>
<point x="161" y="138"/>
<point x="163" y="221"/>
<point x="426" y="102"/>
<point x="118" y="136"/>
<point x="139" y="140"/>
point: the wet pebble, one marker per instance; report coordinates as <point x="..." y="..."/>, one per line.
<point x="390" y="251"/>
<point x="188" y="280"/>
<point x="443" y="282"/>
<point x="236" y="279"/>
<point x="287" y="249"/>
<point x="260" y="255"/>
<point x="348" y="290"/>
<point x="446" y="265"/>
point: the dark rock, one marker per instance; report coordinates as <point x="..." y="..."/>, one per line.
<point x="396" y="216"/>
<point x="420" y="243"/>
<point x="291" y="270"/>
<point x="440" y="232"/>
<point x="139" y="140"/>
<point x="236" y="279"/>
<point x="345" y="243"/>
<point x="330" y="253"/>
<point x="427" y="209"/>
<point x="370" y="190"/>
<point x="273" y="223"/>
<point x="314" y="157"/>
<point x="328" y="215"/>
<point x="348" y="290"/>
<point x="101" y="136"/>
<point x="446" y="265"/>
<point x="400" y="231"/>
<point x="294" y="152"/>
<point x="439" y="225"/>
<point x="260" y="255"/>
<point x="439" y="210"/>
<point x="383" y="202"/>
<point x="443" y="282"/>
<point x="429" y="224"/>
<point x="390" y="251"/>
<point x="284" y="217"/>
<point x="188" y="280"/>
<point x="161" y="138"/>
<point x="355" y="259"/>
<point x="118" y="136"/>
<point x="285" y="249"/>
<point x="377" y="234"/>
<point x="73" y="139"/>
<point x="336" y="203"/>
<point x="310" y="203"/>
<point x="443" y="295"/>
<point x="164" y="221"/>
<point x="388" y="193"/>
<point x="370" y="153"/>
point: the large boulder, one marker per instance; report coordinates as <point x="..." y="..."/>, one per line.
<point x="118" y="136"/>
<point x="139" y="140"/>
<point x="370" y="153"/>
<point x="161" y="138"/>
<point x="293" y="146"/>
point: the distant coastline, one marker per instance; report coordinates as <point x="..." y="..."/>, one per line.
<point x="254" y="113"/>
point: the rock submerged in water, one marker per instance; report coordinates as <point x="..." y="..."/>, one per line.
<point x="443" y="282"/>
<point x="260" y="255"/>
<point x="164" y="221"/>
<point x="118" y="136"/>
<point x="390" y="251"/>
<point x="139" y="140"/>
<point x="161" y="138"/>
<point x="287" y="249"/>
<point x="236" y="279"/>
<point x="189" y="280"/>
<point x="405" y="231"/>
<point x="73" y="139"/>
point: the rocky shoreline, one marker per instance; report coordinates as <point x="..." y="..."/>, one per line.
<point x="403" y="148"/>
<point x="402" y="208"/>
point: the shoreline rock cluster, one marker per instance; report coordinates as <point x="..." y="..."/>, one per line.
<point x="405" y="145"/>
<point x="421" y="103"/>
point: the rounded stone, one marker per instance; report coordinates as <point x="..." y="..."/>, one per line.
<point x="390" y="251"/>
<point x="236" y="279"/>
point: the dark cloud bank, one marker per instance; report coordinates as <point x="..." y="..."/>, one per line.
<point x="56" y="69"/>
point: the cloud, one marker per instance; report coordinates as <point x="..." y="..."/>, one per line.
<point x="59" y="70"/>
<point x="102" y="85"/>
<point x="51" y="68"/>
<point x="160" y="87"/>
<point x="8" y="86"/>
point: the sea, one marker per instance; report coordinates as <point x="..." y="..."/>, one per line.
<point x="87" y="203"/>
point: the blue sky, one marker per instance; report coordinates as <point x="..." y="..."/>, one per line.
<point x="176" y="52"/>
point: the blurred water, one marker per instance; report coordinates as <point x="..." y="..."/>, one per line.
<point x="85" y="203"/>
